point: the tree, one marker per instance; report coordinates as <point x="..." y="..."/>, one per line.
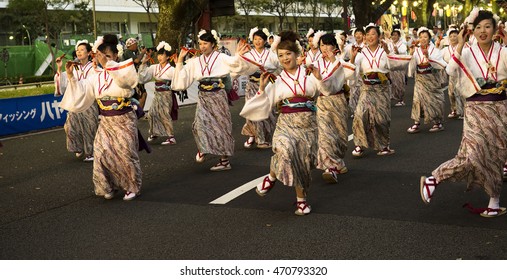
<point x="366" y="11"/>
<point x="279" y="8"/>
<point x="248" y="6"/>
<point x="36" y="17"/>
<point x="330" y="7"/>
<point x="177" y="18"/>
<point x="148" y="6"/>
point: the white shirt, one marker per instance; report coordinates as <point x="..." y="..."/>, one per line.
<point x="155" y="71"/>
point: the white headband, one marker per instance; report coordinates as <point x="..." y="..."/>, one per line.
<point x="164" y="45"/>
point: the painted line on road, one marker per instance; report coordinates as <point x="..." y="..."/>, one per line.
<point x="238" y="191"/>
<point x="224" y="199"/>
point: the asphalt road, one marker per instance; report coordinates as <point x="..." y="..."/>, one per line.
<point x="48" y="209"/>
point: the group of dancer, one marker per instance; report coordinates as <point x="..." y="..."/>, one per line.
<point x="298" y="103"/>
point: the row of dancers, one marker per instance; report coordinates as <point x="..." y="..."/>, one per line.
<point x="298" y="104"/>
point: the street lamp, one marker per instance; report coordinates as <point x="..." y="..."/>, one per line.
<point x="28" y="33"/>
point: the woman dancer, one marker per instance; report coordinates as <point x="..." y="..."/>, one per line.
<point x="428" y="95"/>
<point x="162" y="111"/>
<point x="482" y="74"/>
<point x="80" y="128"/>
<point x="332" y="109"/>
<point x="372" y="118"/>
<point x="212" y="127"/>
<point x="116" y="164"/>
<point x="455" y="97"/>
<point x="295" y="138"/>
<point x="260" y="132"/>
<point x="397" y="45"/>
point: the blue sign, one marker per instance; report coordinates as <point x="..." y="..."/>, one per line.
<point x="24" y="114"/>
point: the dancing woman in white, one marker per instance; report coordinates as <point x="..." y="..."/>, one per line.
<point x="295" y="138"/>
<point x="161" y="114"/>
<point x="116" y="165"/>
<point x="212" y="127"/>
<point x="80" y="128"/>
<point x="482" y="76"/>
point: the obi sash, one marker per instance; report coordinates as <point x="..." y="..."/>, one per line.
<point x="490" y="92"/>
<point x="297" y="104"/>
<point x="255" y="77"/>
<point x="424" y="69"/>
<point x="114" y="106"/>
<point x="211" y="85"/>
<point x="162" y="86"/>
<point x="376" y="78"/>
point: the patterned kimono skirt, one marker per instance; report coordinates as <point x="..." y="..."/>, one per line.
<point x="80" y="129"/>
<point x="332" y="115"/>
<point x="483" y="149"/>
<point x="295" y="148"/>
<point x="398" y="85"/>
<point x="372" y="118"/>
<point x="428" y="98"/>
<point x="117" y="165"/>
<point x="455" y="96"/>
<point x="355" y="92"/>
<point x="261" y="130"/>
<point x="159" y="116"/>
<point x="212" y="127"/>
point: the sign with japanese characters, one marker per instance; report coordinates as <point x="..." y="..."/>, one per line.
<point x="24" y="114"/>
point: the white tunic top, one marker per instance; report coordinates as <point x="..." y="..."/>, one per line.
<point x="268" y="59"/>
<point x="287" y="86"/>
<point x="82" y="72"/>
<point x="155" y="71"/>
<point x="116" y="80"/>
<point x="435" y="58"/>
<point x="481" y="67"/>
<point x="342" y="71"/>
<point x="312" y="57"/>
<point x="216" y="65"/>
<point x="400" y="45"/>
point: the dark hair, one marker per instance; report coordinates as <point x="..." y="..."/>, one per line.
<point x="424" y="31"/>
<point x="261" y="34"/>
<point x="88" y="46"/>
<point x="359" y="29"/>
<point x="484" y="14"/>
<point x="328" y="39"/>
<point x="110" y="42"/>
<point x="396" y="31"/>
<point x="163" y="51"/>
<point x="311" y="34"/>
<point x="271" y="37"/>
<point x="288" y="41"/>
<point x="208" y="37"/>
<point x="454" y="31"/>
<point x="377" y="29"/>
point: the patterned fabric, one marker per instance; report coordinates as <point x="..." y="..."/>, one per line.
<point x="295" y="148"/>
<point x="332" y="115"/>
<point x="372" y="117"/>
<point x="398" y="85"/>
<point x="159" y="117"/>
<point x="355" y="92"/>
<point x="428" y="98"/>
<point x="80" y="129"/>
<point x="212" y="127"/>
<point x="455" y="97"/>
<point x="483" y="149"/>
<point x="116" y="165"/>
<point x="261" y="130"/>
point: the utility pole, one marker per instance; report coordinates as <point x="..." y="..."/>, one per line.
<point x="94" y="21"/>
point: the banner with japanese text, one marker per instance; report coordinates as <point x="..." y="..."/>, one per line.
<point x="24" y="114"/>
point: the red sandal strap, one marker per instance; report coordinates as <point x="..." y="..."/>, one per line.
<point x="267" y="182"/>
<point x="474" y="210"/>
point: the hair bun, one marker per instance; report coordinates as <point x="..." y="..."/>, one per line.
<point x="110" y="39"/>
<point x="289" y="36"/>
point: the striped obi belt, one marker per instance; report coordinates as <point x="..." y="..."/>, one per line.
<point x="255" y="77"/>
<point x="114" y="106"/>
<point x="424" y="69"/>
<point x="376" y="78"/>
<point x="490" y="92"/>
<point x="162" y="86"/>
<point x="211" y="85"/>
<point x="297" y="104"/>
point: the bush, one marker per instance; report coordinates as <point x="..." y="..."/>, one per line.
<point x="38" y="79"/>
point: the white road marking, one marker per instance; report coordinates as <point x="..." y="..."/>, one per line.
<point x="238" y="191"/>
<point x="245" y="187"/>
